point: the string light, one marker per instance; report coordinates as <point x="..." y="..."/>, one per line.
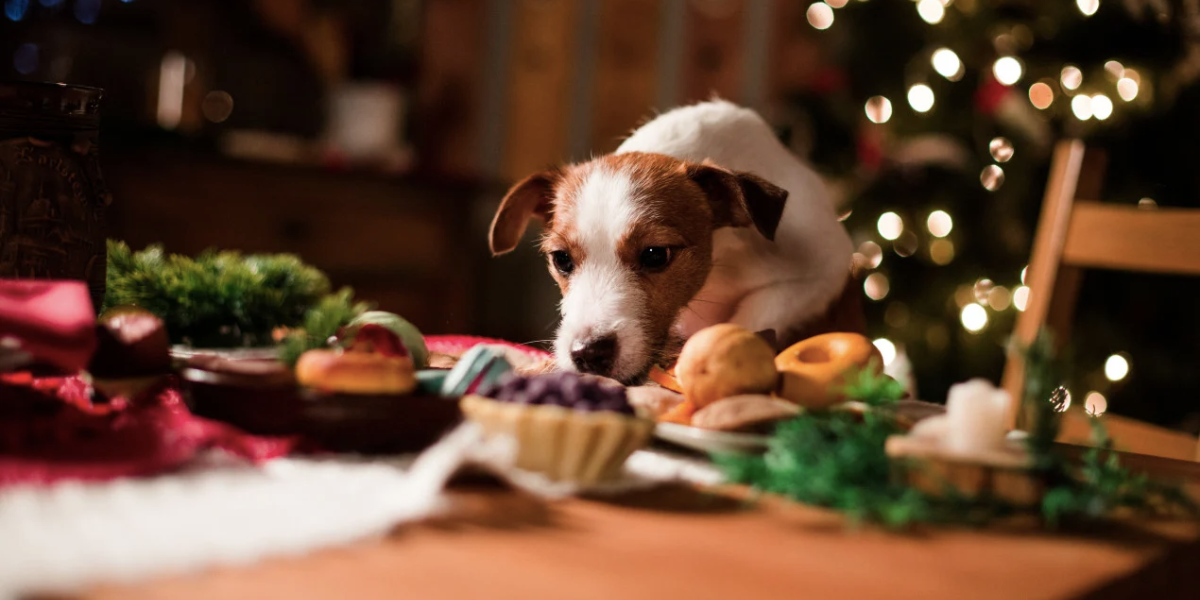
<point x="939" y="223"/>
<point x="1116" y="367"/>
<point x="887" y="349"/>
<point x="974" y="318"/>
<point x="1071" y="77"/>
<point x="820" y="16"/>
<point x="1102" y="107"/>
<point x="1041" y="95"/>
<point x="836" y="3"/>
<point x="999" y="298"/>
<point x="920" y="96"/>
<point x="1020" y="298"/>
<point x="1088" y="7"/>
<point x="1082" y="107"/>
<point x="890" y="225"/>
<point x="1061" y="399"/>
<point x="992" y="177"/>
<point x="1095" y="404"/>
<point x="1008" y="70"/>
<point x="981" y="289"/>
<point x="1147" y="203"/>
<point x="1024" y="271"/>
<point x="872" y="254"/>
<point x="1115" y="69"/>
<point x="878" y="109"/>
<point x="947" y="64"/>
<point x="876" y="286"/>
<point x="932" y="11"/>
<point x="1127" y="89"/>
<point x="1001" y="149"/>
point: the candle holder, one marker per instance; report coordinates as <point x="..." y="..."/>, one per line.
<point x="52" y="195"/>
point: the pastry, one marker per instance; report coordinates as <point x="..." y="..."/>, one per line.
<point x="375" y="362"/>
<point x="813" y="370"/>
<point x="725" y="360"/>
<point x="651" y="401"/>
<point x="566" y="427"/>
<point x="751" y="412"/>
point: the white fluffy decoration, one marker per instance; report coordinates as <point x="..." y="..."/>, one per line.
<point x="219" y="512"/>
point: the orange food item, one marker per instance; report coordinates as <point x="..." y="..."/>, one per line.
<point x="813" y="369"/>
<point x="725" y="360"/>
<point x="665" y="378"/>
<point x="681" y="414"/>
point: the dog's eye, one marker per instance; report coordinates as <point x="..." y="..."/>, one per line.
<point x="562" y="261"/>
<point x="655" y="258"/>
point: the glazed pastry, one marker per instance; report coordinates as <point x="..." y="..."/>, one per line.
<point x="566" y="427"/>
<point x="752" y="412"/>
<point x="725" y="360"/>
<point x="481" y="366"/>
<point x="813" y="370"/>
<point x="375" y="362"/>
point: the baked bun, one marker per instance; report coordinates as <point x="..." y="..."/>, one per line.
<point x="725" y="360"/>
<point x="813" y="370"/>
<point x="356" y="372"/>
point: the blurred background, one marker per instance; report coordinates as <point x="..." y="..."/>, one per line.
<point x="375" y="137"/>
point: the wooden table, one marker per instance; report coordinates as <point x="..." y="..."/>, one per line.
<point x="681" y="543"/>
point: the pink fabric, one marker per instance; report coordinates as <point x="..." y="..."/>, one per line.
<point x="456" y="345"/>
<point x="53" y="320"/>
<point x="101" y="442"/>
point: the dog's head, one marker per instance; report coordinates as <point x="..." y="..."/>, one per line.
<point x="628" y="238"/>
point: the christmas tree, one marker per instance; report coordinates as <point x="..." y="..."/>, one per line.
<point x="936" y="119"/>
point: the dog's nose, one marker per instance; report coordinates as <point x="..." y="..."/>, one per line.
<point x="595" y="355"/>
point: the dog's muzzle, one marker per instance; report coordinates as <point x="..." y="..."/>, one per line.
<point x="596" y="355"/>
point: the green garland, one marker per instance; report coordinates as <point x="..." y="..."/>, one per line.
<point x="219" y="298"/>
<point x="837" y="460"/>
<point x="321" y="323"/>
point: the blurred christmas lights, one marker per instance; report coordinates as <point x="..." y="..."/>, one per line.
<point x="876" y="286"/>
<point x="939" y="223"/>
<point x="1008" y="70"/>
<point x="1071" y="77"/>
<point x="920" y="96"/>
<point x="890" y="225"/>
<point x="878" y="109"/>
<point x="992" y="177"/>
<point x="1041" y="95"/>
<point x="931" y="11"/>
<point x="820" y="16"/>
<point x="1081" y="105"/>
<point x="1116" y="367"/>
<point x="1001" y="149"/>
<point x="974" y="318"/>
<point x="947" y="64"/>
<point x="887" y="349"/>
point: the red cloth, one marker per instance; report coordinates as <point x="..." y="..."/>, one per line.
<point x="53" y="320"/>
<point x="83" y="441"/>
<point x="457" y="345"/>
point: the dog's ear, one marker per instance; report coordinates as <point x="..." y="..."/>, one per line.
<point x="740" y="199"/>
<point x="530" y="198"/>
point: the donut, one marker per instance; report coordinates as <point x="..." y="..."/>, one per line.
<point x="725" y="360"/>
<point x="813" y="369"/>
<point x="356" y="372"/>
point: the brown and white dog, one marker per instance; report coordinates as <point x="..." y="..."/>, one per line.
<point x="701" y="216"/>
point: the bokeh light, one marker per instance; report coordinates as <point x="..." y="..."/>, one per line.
<point x="1020" y="298"/>
<point x="920" y="96"/>
<point x="1095" y="404"/>
<point x="1082" y="107"/>
<point x="982" y="288"/>
<point x="1102" y="107"/>
<point x="1071" y="77"/>
<point x="947" y="64"/>
<point x="941" y="252"/>
<point x="1041" y="95"/>
<point x="1116" y="367"/>
<point x="1088" y="7"/>
<point x="1008" y="70"/>
<point x="940" y="224"/>
<point x="992" y="177"/>
<point x="890" y="225"/>
<point x="931" y="11"/>
<point x="820" y="15"/>
<point x="871" y="253"/>
<point x="25" y="59"/>
<point x="1001" y="149"/>
<point x="1147" y="203"/>
<point x="1115" y="69"/>
<point x="1127" y="89"/>
<point x="15" y="9"/>
<point x="974" y="318"/>
<point x="876" y="286"/>
<point x="999" y="298"/>
<point x="836" y="3"/>
<point x="217" y="106"/>
<point x="887" y="349"/>
<point x="878" y="109"/>
<point x="906" y="244"/>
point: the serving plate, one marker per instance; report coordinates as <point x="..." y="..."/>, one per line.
<point x="712" y="442"/>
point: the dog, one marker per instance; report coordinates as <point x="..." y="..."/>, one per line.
<point x="701" y="216"/>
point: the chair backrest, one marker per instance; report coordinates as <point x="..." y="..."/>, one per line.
<point x="1075" y="234"/>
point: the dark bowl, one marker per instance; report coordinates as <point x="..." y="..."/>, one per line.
<point x="272" y="404"/>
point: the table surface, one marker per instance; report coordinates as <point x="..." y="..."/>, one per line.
<point x="678" y="542"/>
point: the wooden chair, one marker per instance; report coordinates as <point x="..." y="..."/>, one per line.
<point x="1074" y="234"/>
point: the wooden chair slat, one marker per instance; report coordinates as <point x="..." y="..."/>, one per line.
<point x="1107" y="236"/>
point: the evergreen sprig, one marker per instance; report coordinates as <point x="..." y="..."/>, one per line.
<point x="321" y="323"/>
<point x="218" y="298"/>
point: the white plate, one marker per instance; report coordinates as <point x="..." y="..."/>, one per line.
<point x="706" y="440"/>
